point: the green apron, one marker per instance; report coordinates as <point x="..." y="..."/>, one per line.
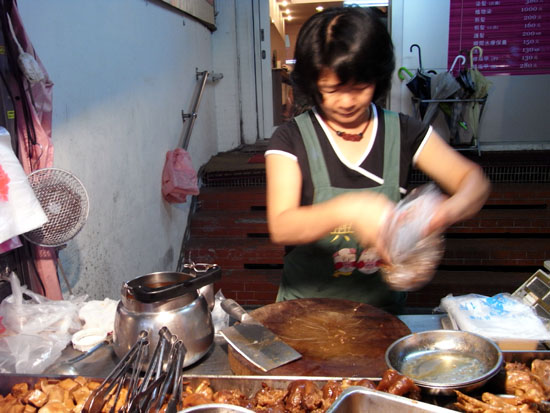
<point x="337" y="266"/>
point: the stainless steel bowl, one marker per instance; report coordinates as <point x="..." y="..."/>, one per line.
<point x="441" y="361"/>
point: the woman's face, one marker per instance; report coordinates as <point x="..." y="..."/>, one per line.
<point x="344" y="104"/>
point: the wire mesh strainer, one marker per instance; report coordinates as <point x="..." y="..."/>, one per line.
<point x="64" y="201"/>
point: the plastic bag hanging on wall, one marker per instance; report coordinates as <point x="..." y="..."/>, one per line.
<point x="179" y="179"/>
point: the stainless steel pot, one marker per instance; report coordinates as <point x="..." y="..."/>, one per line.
<point x="166" y="299"/>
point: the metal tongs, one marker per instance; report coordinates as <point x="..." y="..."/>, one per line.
<point x="161" y="383"/>
<point x="126" y="371"/>
<point x="159" y="380"/>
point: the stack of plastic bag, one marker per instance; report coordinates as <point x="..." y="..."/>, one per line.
<point x="500" y="317"/>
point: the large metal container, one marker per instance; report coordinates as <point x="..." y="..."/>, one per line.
<point x="165" y="299"/>
<point x="363" y="400"/>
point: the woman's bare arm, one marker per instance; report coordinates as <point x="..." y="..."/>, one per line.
<point x="461" y="178"/>
<point x="292" y="224"/>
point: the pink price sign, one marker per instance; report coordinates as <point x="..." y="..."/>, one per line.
<point x="513" y="34"/>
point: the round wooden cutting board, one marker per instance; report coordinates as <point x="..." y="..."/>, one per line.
<point x="335" y="337"/>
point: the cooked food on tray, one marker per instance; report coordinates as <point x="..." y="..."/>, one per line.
<point x="299" y="396"/>
<point x="526" y="391"/>
<point x="70" y="395"/>
<point x="50" y="396"/>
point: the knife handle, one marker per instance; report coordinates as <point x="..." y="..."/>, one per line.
<point x="234" y="309"/>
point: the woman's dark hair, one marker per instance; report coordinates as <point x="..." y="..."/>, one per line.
<point x="351" y="41"/>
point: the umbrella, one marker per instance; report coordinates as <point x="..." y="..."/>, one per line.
<point x="442" y="86"/>
<point x="472" y="110"/>
<point x="419" y="84"/>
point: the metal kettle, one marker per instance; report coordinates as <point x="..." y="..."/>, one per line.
<point x="167" y="299"/>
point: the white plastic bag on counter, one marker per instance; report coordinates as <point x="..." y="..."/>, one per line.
<point x="499" y="317"/>
<point x="37" y="330"/>
<point x="20" y="211"/>
<point x="99" y="314"/>
<point x="414" y="257"/>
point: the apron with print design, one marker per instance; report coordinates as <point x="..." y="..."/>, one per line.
<point x="336" y="266"/>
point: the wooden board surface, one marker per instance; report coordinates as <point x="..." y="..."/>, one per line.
<point x="335" y="337"/>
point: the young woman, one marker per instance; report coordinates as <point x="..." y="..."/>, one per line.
<point x="335" y="172"/>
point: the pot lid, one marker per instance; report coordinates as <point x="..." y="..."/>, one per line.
<point x="148" y="289"/>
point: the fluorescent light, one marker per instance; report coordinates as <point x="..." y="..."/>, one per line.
<point x="319" y="8"/>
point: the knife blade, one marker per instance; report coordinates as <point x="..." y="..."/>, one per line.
<point x="255" y="342"/>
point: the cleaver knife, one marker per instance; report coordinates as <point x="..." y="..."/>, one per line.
<point x="255" y="342"/>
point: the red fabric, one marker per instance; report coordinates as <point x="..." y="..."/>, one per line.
<point x="258" y="158"/>
<point x="4" y="187"/>
<point x="40" y="154"/>
<point x="179" y="179"/>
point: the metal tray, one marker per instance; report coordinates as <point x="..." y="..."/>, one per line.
<point x="354" y="399"/>
<point x="361" y="399"/>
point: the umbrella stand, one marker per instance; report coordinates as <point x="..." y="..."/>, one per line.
<point x="457" y="101"/>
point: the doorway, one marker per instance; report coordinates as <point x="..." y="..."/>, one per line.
<point x="282" y="24"/>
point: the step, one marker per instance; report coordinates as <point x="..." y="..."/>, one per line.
<point x="232" y="199"/>
<point x="506" y="221"/>
<point x="465" y="282"/>
<point x="250" y="286"/>
<point x="520" y="193"/>
<point x="506" y="251"/>
<point x="232" y="224"/>
<point x="235" y="253"/>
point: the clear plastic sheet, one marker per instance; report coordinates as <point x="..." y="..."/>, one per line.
<point x="414" y="257"/>
<point x="37" y="329"/>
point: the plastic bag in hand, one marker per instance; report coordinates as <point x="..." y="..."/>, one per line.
<point x="414" y="257"/>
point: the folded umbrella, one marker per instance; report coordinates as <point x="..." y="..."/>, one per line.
<point x="442" y="86"/>
<point x="418" y="84"/>
<point x="481" y="85"/>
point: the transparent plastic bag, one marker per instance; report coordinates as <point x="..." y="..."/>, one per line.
<point x="37" y="330"/>
<point x="414" y="257"/>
